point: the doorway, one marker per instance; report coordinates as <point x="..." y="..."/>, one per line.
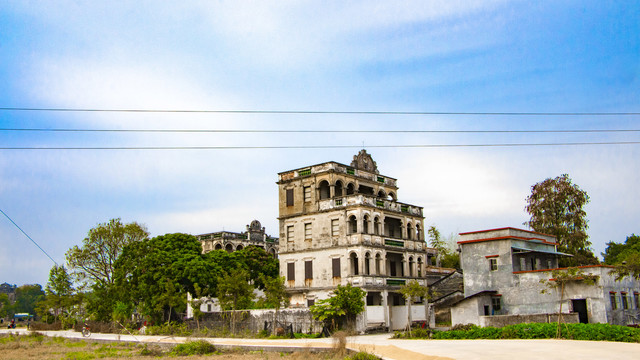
<point x="580" y="307"/>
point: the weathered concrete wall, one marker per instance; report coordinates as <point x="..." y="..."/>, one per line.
<point x="504" y="320"/>
<point x="253" y="321"/>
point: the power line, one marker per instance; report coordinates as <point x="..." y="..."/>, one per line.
<point x="315" y="131"/>
<point x="29" y="237"/>
<point x="318" y="146"/>
<point x="320" y="112"/>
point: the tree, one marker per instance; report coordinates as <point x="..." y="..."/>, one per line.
<point x="626" y="257"/>
<point x="556" y="208"/>
<point x="447" y="248"/>
<point x="275" y="293"/>
<point x="93" y="263"/>
<point x="59" y="292"/>
<point x="4" y="305"/>
<point x="27" y="298"/>
<point x="560" y="279"/>
<point x="259" y="264"/>
<point x="345" y="302"/>
<point x="156" y="274"/>
<point x="235" y="293"/>
<point x="409" y="291"/>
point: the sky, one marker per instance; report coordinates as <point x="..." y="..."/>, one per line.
<point x="374" y="64"/>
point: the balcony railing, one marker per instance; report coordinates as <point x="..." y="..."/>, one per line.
<point x="338" y="168"/>
<point x="369" y="200"/>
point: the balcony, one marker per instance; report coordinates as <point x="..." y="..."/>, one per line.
<point x="369" y="200"/>
<point x="340" y="168"/>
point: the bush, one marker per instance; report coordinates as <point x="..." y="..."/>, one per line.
<point x="199" y="347"/>
<point x="362" y="356"/>
<point x="601" y="332"/>
<point x="169" y="329"/>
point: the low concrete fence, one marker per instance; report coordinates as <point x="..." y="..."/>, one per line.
<point x="253" y="321"/>
<point x="504" y="320"/>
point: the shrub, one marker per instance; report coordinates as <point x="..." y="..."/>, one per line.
<point x="601" y="332"/>
<point x="199" y="347"/>
<point x="362" y="356"/>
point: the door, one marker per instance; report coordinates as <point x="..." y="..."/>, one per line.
<point x="580" y="307"/>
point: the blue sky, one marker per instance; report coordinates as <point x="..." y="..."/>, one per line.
<point x="423" y="56"/>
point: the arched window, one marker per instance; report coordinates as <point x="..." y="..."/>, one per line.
<point x="353" y="224"/>
<point x="351" y="189"/>
<point x="323" y="188"/>
<point x="218" y="247"/>
<point x="392" y="196"/>
<point x="410" y="231"/>
<point x="338" y="189"/>
<point x="367" y="259"/>
<point x="229" y="248"/>
<point x="239" y="247"/>
<point x="353" y="261"/>
<point x="381" y="194"/>
<point x="378" y="264"/>
<point x="419" y="267"/>
<point x="419" y="233"/>
<point x="365" y="224"/>
<point x="376" y="226"/>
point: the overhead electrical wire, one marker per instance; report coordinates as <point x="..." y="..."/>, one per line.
<point x="316" y="146"/>
<point x="29" y="237"/>
<point x="320" y="112"/>
<point x="316" y="131"/>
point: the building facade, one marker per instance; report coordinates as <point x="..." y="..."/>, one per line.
<point x="233" y="241"/>
<point x="343" y="224"/>
<point x="506" y="272"/>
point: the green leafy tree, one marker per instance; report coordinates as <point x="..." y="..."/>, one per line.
<point x="258" y="263"/>
<point x="4" y="305"/>
<point x="156" y="274"/>
<point x="275" y="293"/>
<point x="346" y="302"/>
<point x="556" y="207"/>
<point x="626" y="257"/>
<point x="409" y="291"/>
<point x="235" y="293"/>
<point x="60" y="293"/>
<point x="93" y="264"/>
<point x="447" y="254"/>
<point x="27" y="298"/>
<point x="560" y="279"/>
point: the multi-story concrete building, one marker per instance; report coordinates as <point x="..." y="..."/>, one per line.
<point x="343" y="224"/>
<point x="506" y="272"/>
<point x="232" y="241"/>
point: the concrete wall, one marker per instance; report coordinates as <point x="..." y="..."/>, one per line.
<point x="253" y="321"/>
<point x="504" y="320"/>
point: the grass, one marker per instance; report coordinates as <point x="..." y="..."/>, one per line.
<point x="37" y="346"/>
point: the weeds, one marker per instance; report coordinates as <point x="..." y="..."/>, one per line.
<point x="199" y="347"/>
<point x="362" y="356"/>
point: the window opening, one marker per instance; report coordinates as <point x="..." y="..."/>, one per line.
<point x="291" y="271"/>
<point x="290" y="233"/>
<point x="493" y="264"/>
<point x="307" y="231"/>
<point x="335" y="265"/>
<point x="307" y="193"/>
<point x="612" y="298"/>
<point x="289" y="197"/>
<point x="324" y="190"/>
